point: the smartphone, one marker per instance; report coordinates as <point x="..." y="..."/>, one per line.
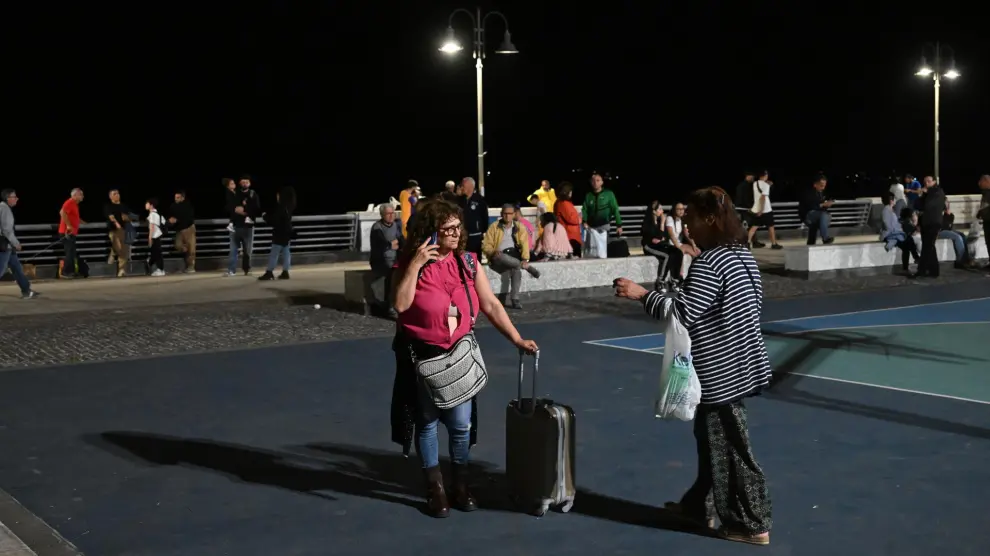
<point x="434" y="239"/>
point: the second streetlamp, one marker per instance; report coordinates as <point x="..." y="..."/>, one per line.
<point x="451" y="46"/>
<point x="937" y="74"/>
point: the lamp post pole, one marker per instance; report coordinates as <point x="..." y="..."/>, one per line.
<point x="478" y="52"/>
<point x="938" y="91"/>
<point x="937" y="75"/>
<point x="479" y="55"/>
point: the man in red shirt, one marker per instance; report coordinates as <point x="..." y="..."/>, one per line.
<point x="68" y="228"/>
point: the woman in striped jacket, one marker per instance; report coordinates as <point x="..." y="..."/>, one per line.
<point x="720" y="307"/>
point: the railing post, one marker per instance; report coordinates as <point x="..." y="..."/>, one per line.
<point x="355" y="233"/>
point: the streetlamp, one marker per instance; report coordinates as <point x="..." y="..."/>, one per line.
<point x="937" y="74"/>
<point x="451" y="46"/>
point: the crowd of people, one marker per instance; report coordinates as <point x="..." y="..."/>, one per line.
<point x="243" y="207"/>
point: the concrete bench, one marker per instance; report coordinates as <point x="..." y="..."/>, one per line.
<point x="558" y="280"/>
<point x="860" y="258"/>
<point x="577" y="277"/>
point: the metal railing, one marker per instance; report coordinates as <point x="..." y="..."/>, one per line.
<point x="845" y="214"/>
<point x="314" y="234"/>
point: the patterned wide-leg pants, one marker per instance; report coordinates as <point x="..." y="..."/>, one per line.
<point x="730" y="483"/>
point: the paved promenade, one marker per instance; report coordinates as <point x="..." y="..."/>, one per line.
<point x="132" y="318"/>
<point x="138" y="292"/>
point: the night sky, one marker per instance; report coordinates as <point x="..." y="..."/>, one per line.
<point x="347" y="100"/>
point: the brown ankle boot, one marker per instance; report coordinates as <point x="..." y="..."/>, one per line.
<point x="436" y="496"/>
<point x="463" y="499"/>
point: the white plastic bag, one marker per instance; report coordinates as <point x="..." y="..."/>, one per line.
<point x="680" y="390"/>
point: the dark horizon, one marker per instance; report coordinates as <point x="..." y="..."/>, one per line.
<point x="347" y="101"/>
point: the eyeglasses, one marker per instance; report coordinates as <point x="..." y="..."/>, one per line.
<point x="451" y="230"/>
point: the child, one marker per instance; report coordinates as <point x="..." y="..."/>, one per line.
<point x="230" y="186"/>
<point x="155" y="233"/>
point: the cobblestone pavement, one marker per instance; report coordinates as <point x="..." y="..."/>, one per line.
<point x="43" y="340"/>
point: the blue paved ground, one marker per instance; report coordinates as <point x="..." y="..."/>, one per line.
<point x="285" y="451"/>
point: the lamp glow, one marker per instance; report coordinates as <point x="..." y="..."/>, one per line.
<point x="924" y="70"/>
<point x="952" y="74"/>
<point x="450" y="44"/>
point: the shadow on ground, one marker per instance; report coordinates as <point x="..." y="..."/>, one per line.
<point x="329" y="470"/>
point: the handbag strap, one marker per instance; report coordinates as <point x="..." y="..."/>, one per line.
<point x="467" y="291"/>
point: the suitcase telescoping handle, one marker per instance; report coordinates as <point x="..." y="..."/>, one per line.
<point x="536" y="371"/>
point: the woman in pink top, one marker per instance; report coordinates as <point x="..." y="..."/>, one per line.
<point x="553" y="244"/>
<point x="438" y="289"/>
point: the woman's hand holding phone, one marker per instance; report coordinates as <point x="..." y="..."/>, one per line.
<point x="426" y="252"/>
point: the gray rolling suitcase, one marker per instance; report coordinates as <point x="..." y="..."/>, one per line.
<point x="539" y="450"/>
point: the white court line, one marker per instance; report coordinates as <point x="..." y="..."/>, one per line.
<point x="600" y="342"/>
<point x="659" y="351"/>
<point x="630" y="349"/>
<point x="793" y="332"/>
<point x="894" y="388"/>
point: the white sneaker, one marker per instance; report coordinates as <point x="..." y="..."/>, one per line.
<point x="228" y="274"/>
<point x="247" y="220"/>
<point x="158" y="272"/>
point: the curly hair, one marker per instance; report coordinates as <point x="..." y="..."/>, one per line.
<point x="714" y="206"/>
<point x="430" y="215"/>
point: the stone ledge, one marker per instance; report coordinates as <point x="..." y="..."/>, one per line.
<point x="559" y="280"/>
<point x="845" y="257"/>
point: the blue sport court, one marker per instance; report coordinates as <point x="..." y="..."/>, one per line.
<point x="875" y="439"/>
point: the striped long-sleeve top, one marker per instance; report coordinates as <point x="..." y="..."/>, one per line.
<point x="720" y="307"/>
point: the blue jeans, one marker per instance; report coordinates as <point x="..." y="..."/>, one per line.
<point x="8" y="258"/>
<point x="244" y="238"/>
<point x="458" y="422"/>
<point x="273" y="258"/>
<point x="958" y="242"/>
<point x="818" y="222"/>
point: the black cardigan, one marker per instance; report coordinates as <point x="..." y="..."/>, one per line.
<point x="405" y="401"/>
<point x="281" y="222"/>
<point x="649" y="231"/>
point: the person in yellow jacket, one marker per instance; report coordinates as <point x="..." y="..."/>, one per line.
<point x="506" y="246"/>
<point x="546" y="195"/>
<point x="405" y="207"/>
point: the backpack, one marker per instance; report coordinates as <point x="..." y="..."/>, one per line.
<point x="744" y="195"/>
<point x="162" y="224"/>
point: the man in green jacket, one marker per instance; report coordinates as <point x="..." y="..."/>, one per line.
<point x="599" y="209"/>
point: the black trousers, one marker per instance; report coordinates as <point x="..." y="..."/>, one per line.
<point x="908" y="249"/>
<point x="575" y="247"/>
<point x="929" y="257"/>
<point x="730" y="483"/>
<point x="156" y="259"/>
